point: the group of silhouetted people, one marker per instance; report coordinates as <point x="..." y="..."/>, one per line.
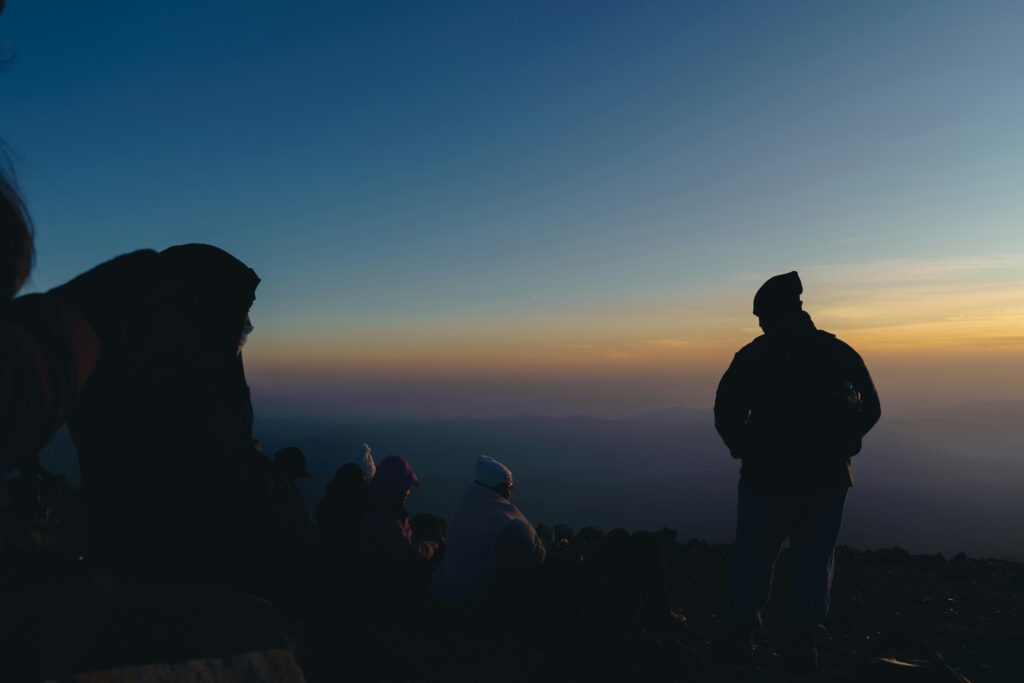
<point x="142" y="358"/>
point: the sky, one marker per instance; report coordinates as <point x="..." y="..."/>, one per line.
<point x="496" y="208"/>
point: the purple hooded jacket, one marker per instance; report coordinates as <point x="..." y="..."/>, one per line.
<point x="385" y="529"/>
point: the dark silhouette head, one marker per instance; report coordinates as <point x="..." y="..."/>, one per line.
<point x="219" y="291"/>
<point x="290" y="463"/>
<point x="779" y="295"/>
<point x="777" y="303"/>
<point x="395" y="479"/>
<point x="349" y="477"/>
<point x="15" y="239"/>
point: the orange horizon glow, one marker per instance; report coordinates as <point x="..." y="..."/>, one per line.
<point x="973" y="308"/>
<point x="931" y="334"/>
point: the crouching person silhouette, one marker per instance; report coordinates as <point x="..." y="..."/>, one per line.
<point x="175" y="486"/>
<point x="398" y="561"/>
<point x="793" y="407"/>
<point x="50" y="343"/>
<point x="490" y="542"/>
<point x="172" y="482"/>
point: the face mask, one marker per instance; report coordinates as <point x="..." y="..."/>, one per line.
<point x="246" y="329"/>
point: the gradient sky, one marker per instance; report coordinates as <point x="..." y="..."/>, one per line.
<point x="554" y="207"/>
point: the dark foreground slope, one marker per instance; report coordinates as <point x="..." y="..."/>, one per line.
<point x="963" y="615"/>
<point x="885" y="602"/>
<point x="970" y="611"/>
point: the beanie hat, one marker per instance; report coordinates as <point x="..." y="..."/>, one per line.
<point x="366" y="463"/>
<point x="491" y="473"/>
<point x="780" y="294"/>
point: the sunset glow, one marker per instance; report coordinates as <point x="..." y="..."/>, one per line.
<point x="576" y="218"/>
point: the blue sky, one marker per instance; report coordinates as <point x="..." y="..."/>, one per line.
<point x="459" y="172"/>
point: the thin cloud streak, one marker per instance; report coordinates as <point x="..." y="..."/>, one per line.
<point x="963" y="305"/>
<point x="930" y="331"/>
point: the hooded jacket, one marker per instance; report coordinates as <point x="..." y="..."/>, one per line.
<point x="387" y="534"/>
<point x="794" y="405"/>
<point x="171" y="478"/>
<point x="483" y="516"/>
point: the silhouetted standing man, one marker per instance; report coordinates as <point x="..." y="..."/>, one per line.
<point x="793" y="406"/>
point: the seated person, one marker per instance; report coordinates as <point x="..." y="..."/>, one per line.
<point x="340" y="511"/>
<point x="396" y="561"/>
<point x="174" y="484"/>
<point x="386" y="531"/>
<point x="486" y="526"/>
<point x="291" y="519"/>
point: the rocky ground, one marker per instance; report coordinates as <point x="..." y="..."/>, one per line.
<point x="969" y="611"/>
<point x="960" y="615"/>
<point x="957" y="619"/>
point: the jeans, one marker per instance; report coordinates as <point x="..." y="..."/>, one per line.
<point x="811" y="519"/>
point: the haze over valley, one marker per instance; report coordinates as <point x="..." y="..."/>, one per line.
<point x="940" y="480"/>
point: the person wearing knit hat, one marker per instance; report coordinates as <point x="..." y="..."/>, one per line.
<point x="485" y="517"/>
<point x="793" y="407"/>
<point x="493" y="475"/>
<point x="779" y="295"/>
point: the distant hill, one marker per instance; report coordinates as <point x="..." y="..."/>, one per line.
<point x="944" y="480"/>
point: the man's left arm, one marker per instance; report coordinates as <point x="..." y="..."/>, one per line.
<point x="871" y="408"/>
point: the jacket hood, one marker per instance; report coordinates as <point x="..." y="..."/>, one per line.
<point x="218" y="290"/>
<point x="393" y="478"/>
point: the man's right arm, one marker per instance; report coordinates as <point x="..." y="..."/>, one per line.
<point x="732" y="407"/>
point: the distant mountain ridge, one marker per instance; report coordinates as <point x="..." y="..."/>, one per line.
<point x="942" y="480"/>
